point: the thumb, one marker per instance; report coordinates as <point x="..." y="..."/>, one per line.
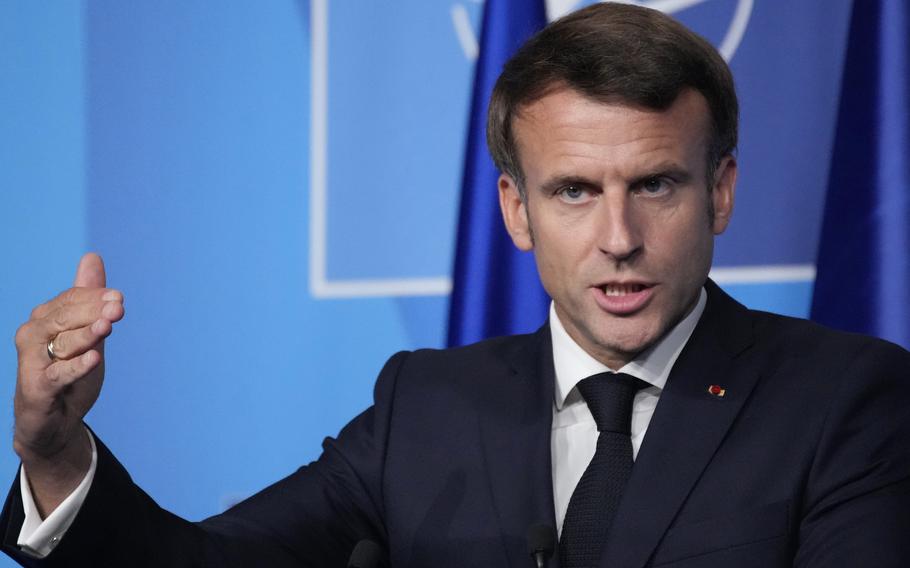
<point x="90" y="273"/>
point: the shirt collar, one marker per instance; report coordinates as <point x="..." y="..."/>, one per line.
<point x="653" y="365"/>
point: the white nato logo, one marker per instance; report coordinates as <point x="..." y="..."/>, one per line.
<point x="467" y="37"/>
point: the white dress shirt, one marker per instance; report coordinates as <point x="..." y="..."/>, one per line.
<point x="573" y="437"/>
<point x="39" y="537"/>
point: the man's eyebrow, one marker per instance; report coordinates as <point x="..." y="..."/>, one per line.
<point x="670" y="170"/>
<point x="558" y="181"/>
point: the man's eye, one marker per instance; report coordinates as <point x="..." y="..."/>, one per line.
<point x="572" y="193"/>
<point x="654" y="185"/>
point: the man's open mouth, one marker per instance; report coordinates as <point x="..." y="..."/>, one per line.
<point x="622" y="289"/>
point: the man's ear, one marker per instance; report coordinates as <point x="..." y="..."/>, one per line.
<point x="723" y="193"/>
<point x="514" y="213"/>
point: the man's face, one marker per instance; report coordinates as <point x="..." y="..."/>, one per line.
<point x="618" y="213"/>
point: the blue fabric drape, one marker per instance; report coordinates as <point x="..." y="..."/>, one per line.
<point x="496" y="290"/>
<point x="863" y="278"/>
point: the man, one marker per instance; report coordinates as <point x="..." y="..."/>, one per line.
<point x="770" y="441"/>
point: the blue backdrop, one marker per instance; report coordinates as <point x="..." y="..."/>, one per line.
<point x="274" y="186"/>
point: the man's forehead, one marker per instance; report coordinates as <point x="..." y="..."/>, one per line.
<point x="561" y="97"/>
<point x="566" y="119"/>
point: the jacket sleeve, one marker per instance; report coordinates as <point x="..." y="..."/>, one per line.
<point x="313" y="517"/>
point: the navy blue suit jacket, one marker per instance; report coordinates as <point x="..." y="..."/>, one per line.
<point x="804" y="461"/>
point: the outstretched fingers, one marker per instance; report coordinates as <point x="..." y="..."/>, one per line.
<point x="89" y="312"/>
<point x="74" y="297"/>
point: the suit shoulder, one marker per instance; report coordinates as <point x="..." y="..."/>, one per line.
<point x="483" y="360"/>
<point x="483" y="354"/>
<point x="804" y="338"/>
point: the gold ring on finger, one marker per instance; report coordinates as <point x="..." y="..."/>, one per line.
<point x="50" y="350"/>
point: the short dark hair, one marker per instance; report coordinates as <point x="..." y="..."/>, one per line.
<point x="613" y="53"/>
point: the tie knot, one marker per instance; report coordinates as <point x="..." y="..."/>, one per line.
<point x="609" y="397"/>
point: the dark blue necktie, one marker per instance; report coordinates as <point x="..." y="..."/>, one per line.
<point x="597" y="495"/>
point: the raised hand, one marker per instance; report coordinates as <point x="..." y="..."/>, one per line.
<point x="61" y="369"/>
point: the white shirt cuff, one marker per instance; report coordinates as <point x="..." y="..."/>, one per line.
<point x="39" y="537"/>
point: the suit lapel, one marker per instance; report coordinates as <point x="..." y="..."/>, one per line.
<point x="687" y="427"/>
<point x="516" y="444"/>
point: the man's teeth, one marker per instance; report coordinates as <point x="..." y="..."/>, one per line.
<point x="622" y="289"/>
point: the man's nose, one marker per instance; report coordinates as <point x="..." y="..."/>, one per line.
<point x="620" y="230"/>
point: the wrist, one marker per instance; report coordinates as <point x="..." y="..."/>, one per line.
<point x="52" y="477"/>
<point x="64" y="448"/>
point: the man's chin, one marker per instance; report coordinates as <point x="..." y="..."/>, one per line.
<point x="622" y="348"/>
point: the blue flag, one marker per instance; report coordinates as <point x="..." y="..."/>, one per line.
<point x="863" y="277"/>
<point x="496" y="290"/>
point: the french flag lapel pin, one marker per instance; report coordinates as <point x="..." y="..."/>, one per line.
<point x="717" y="391"/>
